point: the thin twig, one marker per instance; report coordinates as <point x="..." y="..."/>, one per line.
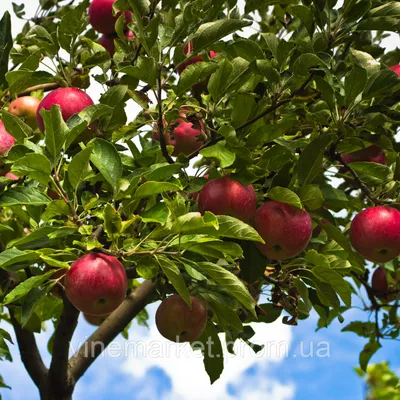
<point x="360" y="183"/>
<point x="160" y="121"/>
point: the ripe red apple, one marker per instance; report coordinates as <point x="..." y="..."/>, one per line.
<point x="379" y="282"/>
<point x="60" y="273"/>
<point x="375" y="233"/>
<point x="369" y="154"/>
<point x="6" y="140"/>
<point x="101" y="16"/>
<point x="285" y="229"/>
<point x="11" y="176"/>
<point x="225" y="196"/>
<point x="188" y="50"/>
<point x="96" y="284"/>
<point x="25" y="107"/>
<point x="95" y="320"/>
<point x="396" y="68"/>
<point x="177" y="322"/>
<point x="71" y="101"/>
<point x="186" y="134"/>
<point x="107" y="41"/>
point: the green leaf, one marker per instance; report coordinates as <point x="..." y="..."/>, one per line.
<point x="14" y="256"/>
<point x="363" y="329"/>
<point x="211" y="348"/>
<point x="107" y="160"/>
<point x="171" y="270"/>
<point x="15" y="126"/>
<point x="112" y="222"/>
<point x="271" y="313"/>
<point x="114" y="95"/>
<point x="221" y="153"/>
<point x="382" y="83"/>
<point x="354" y="83"/>
<point x="26" y="286"/>
<point x="380" y="24"/>
<point x="144" y="70"/>
<point x="324" y="272"/>
<point x="217" y="79"/>
<point x="227" y="317"/>
<point x="211" y="32"/>
<point x="372" y="173"/>
<point x="18" y="196"/>
<point x="270" y="132"/>
<point x="368" y="351"/>
<point x="194" y="74"/>
<point x="305" y="15"/>
<point x="305" y="62"/>
<point x="158" y="213"/>
<point x="147" y="267"/>
<point x="79" y="168"/>
<point x="310" y="160"/>
<point x="234" y="228"/>
<point x="6" y="44"/>
<point x="284" y="195"/>
<point x="36" y="166"/>
<point x="366" y="61"/>
<point x="311" y="196"/>
<point x="56" y="130"/>
<point x="72" y="24"/>
<point x="31" y="302"/>
<point x="153" y="188"/>
<point x="215" y="249"/>
<point x="228" y="281"/>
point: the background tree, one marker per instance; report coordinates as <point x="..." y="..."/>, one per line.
<point x="381" y="382"/>
<point x="103" y="216"/>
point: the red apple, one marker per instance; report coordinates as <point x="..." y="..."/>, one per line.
<point x="396" y="68"/>
<point x="186" y="134"/>
<point x="25" y="107"/>
<point x="107" y="41"/>
<point x="379" y="282"/>
<point x="375" y="233"/>
<point x="285" y="229"/>
<point x="71" y="101"/>
<point x="369" y="154"/>
<point x="177" y="322"/>
<point x="6" y="140"/>
<point x="95" y="320"/>
<point x="225" y="196"/>
<point x="188" y="50"/>
<point x="11" y="176"/>
<point x="96" y="284"/>
<point x="101" y="16"/>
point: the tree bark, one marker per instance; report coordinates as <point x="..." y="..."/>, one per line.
<point x="109" y="329"/>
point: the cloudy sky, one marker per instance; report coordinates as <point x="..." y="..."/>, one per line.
<point x="298" y="364"/>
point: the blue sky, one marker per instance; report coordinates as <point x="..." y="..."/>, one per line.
<point x="171" y="376"/>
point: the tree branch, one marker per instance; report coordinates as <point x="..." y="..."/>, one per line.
<point x="30" y="355"/>
<point x="360" y="183"/>
<point x="160" y="121"/>
<point x="109" y="329"/>
<point x="46" y="87"/>
<point x="58" y="372"/>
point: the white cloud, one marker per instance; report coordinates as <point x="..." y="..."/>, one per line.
<point x="186" y="369"/>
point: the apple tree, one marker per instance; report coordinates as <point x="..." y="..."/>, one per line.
<point x="263" y="159"/>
